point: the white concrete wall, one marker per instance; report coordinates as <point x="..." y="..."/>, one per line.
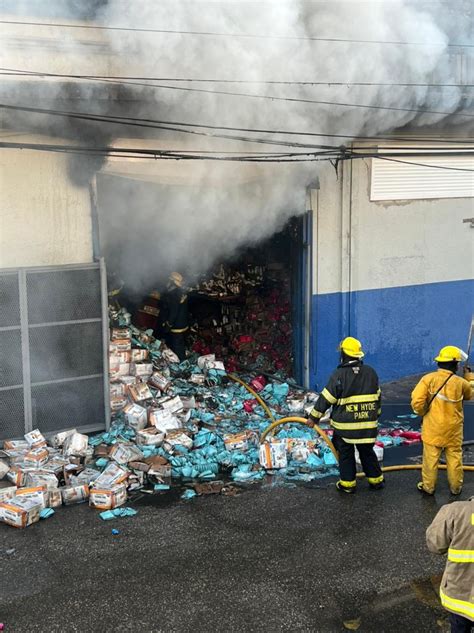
<point x="44" y="218"/>
<point x="390" y="244"/>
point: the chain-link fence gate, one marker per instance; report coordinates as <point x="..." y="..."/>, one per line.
<point x="53" y="349"/>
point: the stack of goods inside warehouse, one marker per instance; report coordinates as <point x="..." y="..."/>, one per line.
<point x="242" y="311"/>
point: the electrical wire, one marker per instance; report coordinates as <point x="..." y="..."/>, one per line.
<point x="171" y="125"/>
<point x="169" y="154"/>
<point x="19" y="73"/>
<point x="160" y="154"/>
<point x="249" y="95"/>
<point x="99" y="27"/>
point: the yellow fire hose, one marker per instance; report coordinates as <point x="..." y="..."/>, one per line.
<point x="260" y="401"/>
<point x="385" y="469"/>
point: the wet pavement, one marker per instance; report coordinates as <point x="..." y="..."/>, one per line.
<point x="299" y="558"/>
<point x="291" y="559"/>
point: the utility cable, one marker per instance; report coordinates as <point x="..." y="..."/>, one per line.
<point x="100" y="27"/>
<point x="249" y="95"/>
<point x="170" y="125"/>
<point x="329" y="84"/>
<point x="177" y="155"/>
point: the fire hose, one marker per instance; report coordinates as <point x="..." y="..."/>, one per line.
<point x="297" y="420"/>
<point x="322" y="434"/>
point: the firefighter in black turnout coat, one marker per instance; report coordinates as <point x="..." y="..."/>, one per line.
<point x="354" y="394"/>
<point x="176" y="315"/>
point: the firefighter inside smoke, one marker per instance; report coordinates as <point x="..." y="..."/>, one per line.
<point x="175" y="315"/>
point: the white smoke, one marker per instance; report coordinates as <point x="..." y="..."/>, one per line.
<point x="190" y="227"/>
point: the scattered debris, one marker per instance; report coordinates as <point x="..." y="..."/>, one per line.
<point x="173" y="424"/>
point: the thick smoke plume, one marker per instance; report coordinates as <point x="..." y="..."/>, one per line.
<point x="204" y="211"/>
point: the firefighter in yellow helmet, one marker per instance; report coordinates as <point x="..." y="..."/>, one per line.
<point x="438" y="399"/>
<point x="354" y="394"/>
<point x="176" y="315"/>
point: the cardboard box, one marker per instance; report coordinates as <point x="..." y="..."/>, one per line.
<point x="38" y="493"/>
<point x="20" y="511"/>
<point x="236" y="441"/>
<point x="178" y="437"/>
<point x="124" y="453"/>
<point x="273" y="454"/>
<point x="108" y="498"/>
<point x="159" y="381"/>
<point x="15" y="444"/>
<point x="58" y="440"/>
<point x="124" y="356"/>
<point x="159" y="468"/>
<point x="35" y="439"/>
<point x="120" y="333"/>
<point x="37" y="457"/>
<point x="175" y="404"/>
<point x="55" y="498"/>
<point x="41" y="478"/>
<point x="164" y="420"/>
<point x="7" y="492"/>
<point x="71" y="470"/>
<point x="137" y="416"/>
<point x="143" y="370"/>
<point x="113" y="474"/>
<point x="75" y="494"/>
<point x="86" y="476"/>
<point x="120" y="345"/>
<point x="119" y="403"/>
<point x="117" y="390"/>
<point x="76" y="444"/>
<point x="4" y="468"/>
<point x="55" y="465"/>
<point x="17" y="475"/>
<point x="139" y="355"/>
<point x="149" y="437"/>
<point x="140" y="391"/>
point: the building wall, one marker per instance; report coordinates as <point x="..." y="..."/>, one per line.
<point x="44" y="218"/>
<point x="397" y="275"/>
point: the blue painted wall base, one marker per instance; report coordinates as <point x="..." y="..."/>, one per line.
<point x="401" y="328"/>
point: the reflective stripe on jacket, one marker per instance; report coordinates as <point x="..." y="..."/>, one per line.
<point x="452" y="532"/>
<point x="443" y="424"/>
<point x="354" y="394"/>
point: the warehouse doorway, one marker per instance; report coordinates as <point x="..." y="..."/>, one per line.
<point x="250" y="305"/>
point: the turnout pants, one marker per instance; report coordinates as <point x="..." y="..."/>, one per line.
<point x="429" y="471"/>
<point x="460" y="624"/>
<point x="347" y="463"/>
<point x="177" y="343"/>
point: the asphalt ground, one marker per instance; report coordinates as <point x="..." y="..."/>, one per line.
<point x="300" y="558"/>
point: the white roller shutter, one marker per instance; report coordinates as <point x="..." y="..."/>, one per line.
<point x="403" y="181"/>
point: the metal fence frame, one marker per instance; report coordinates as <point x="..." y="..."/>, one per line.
<point x="24" y="328"/>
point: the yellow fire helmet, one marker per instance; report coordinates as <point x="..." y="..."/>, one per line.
<point x="352" y="347"/>
<point x="177" y="279"/>
<point x="449" y="353"/>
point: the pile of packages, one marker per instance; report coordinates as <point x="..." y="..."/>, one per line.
<point x="252" y="326"/>
<point x="174" y="425"/>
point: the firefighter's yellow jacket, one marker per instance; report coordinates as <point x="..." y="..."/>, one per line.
<point x="452" y="532"/>
<point x="443" y="424"/>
